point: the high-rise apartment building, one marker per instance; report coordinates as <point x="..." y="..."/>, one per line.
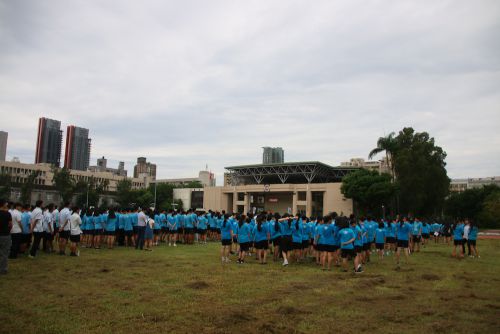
<point x="273" y="155"/>
<point x="77" y="154"/>
<point x="49" y="142"/>
<point x="102" y="166"/>
<point x="144" y="168"/>
<point x="3" y="145"/>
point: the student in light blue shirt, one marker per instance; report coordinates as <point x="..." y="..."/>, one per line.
<point x="403" y="232"/>
<point x="458" y="239"/>
<point x="112" y="220"/>
<point x="128" y="227"/>
<point x="347" y="238"/>
<point x="262" y="237"/>
<point x="202" y="229"/>
<point x="380" y="235"/>
<point x="472" y="238"/>
<point x="416" y="235"/>
<point x="328" y="240"/>
<point x="244" y="238"/>
<point x="226" y="229"/>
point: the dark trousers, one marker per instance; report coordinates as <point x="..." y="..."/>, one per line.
<point x="16" y="245"/>
<point x="141" y="230"/>
<point x="121" y="237"/>
<point x="37" y="237"/>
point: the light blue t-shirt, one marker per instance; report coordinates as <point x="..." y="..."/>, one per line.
<point x="458" y="232"/>
<point x="346" y="234"/>
<point x="202" y="223"/>
<point x="380" y="236"/>
<point x="244" y="233"/>
<point x="225" y="230"/>
<point x="327" y="234"/>
<point x="262" y="234"/>
<point x="473" y="233"/>
<point x="25" y="222"/>
<point x="403" y="231"/>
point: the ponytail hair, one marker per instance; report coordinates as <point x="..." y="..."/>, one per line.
<point x="277" y="223"/>
<point x="259" y="224"/>
<point x="225" y="221"/>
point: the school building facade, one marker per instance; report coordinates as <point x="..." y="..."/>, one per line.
<point x="309" y="188"/>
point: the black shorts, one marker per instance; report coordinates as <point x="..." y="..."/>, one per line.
<point x="235" y="240"/>
<point x="447" y="234"/>
<point x="366" y="246"/>
<point x="305" y="244"/>
<point x="390" y="240"/>
<point x="276" y="241"/>
<point x="156" y="232"/>
<point x="110" y="232"/>
<point x="129" y="233"/>
<point x="99" y="231"/>
<point x="211" y="229"/>
<point x="245" y="246"/>
<point x="379" y="246"/>
<point x="329" y="248"/>
<point x="189" y="230"/>
<point x="226" y="242"/>
<point x="320" y="247"/>
<point x="347" y="253"/>
<point x="135" y="229"/>
<point x="358" y="249"/>
<point x="164" y="229"/>
<point x="458" y="242"/>
<point x="172" y="231"/>
<point x="286" y="243"/>
<point x="297" y="245"/>
<point x="64" y="235"/>
<point x="26" y="239"/>
<point x="74" y="238"/>
<point x="471" y="242"/>
<point x="48" y="236"/>
<point x="218" y="230"/>
<point x="263" y="244"/>
<point x="202" y="231"/>
<point x="416" y="238"/>
<point x="402" y="243"/>
<point x="425" y="236"/>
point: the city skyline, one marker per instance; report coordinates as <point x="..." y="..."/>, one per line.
<point x="206" y="90"/>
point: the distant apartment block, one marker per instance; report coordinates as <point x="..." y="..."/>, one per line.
<point x="3" y="145"/>
<point x="49" y="142"/>
<point x="102" y="166"/>
<point x="77" y="154"/>
<point x="459" y="185"/>
<point x="380" y="166"/>
<point x="273" y="155"/>
<point x="144" y="169"/>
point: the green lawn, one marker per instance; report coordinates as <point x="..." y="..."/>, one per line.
<point x="187" y="290"/>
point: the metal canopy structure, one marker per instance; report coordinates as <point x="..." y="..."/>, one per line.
<point x="290" y="172"/>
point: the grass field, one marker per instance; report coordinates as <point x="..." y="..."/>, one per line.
<point x="187" y="290"/>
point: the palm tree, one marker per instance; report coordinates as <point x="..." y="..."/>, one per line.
<point x="389" y="145"/>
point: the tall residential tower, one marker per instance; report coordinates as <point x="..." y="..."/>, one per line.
<point x="49" y="142"/>
<point x="77" y="154"/>
<point x="273" y="155"/>
<point x="3" y="145"/>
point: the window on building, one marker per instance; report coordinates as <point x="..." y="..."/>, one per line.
<point x="301" y="196"/>
<point x="241" y="196"/>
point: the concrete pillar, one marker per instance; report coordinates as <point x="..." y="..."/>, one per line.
<point x="246" y="205"/>
<point x="235" y="201"/>
<point x="308" y="203"/>
<point x="294" y="202"/>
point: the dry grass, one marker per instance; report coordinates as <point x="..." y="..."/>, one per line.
<point x="187" y="290"/>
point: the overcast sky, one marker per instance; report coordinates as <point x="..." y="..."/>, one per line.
<point x="190" y="83"/>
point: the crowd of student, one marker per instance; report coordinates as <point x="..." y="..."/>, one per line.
<point x="328" y="240"/>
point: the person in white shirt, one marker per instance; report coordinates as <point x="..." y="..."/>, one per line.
<point x="36" y="228"/>
<point x="16" y="232"/>
<point x="75" y="221"/>
<point x="64" y="228"/>
<point x="48" y="228"/>
<point x="466" y="236"/>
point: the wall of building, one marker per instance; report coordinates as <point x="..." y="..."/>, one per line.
<point x="222" y="198"/>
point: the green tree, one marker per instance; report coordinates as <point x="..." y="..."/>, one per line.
<point x="5" y="185"/>
<point x="124" y="192"/>
<point x="387" y="144"/>
<point x="419" y="166"/>
<point x="370" y="190"/>
<point x="27" y="187"/>
<point x="64" y="184"/>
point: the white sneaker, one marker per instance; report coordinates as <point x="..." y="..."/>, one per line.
<point x="285" y="263"/>
<point x="169" y="244"/>
<point x="77" y="253"/>
<point x="175" y="245"/>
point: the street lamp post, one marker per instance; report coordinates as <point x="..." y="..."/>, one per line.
<point x="155" y="195"/>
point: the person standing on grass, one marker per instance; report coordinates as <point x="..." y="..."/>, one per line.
<point x="48" y="229"/>
<point x="466" y="237"/>
<point x="472" y="239"/>
<point x="111" y="223"/>
<point x="426" y="230"/>
<point x="275" y="231"/>
<point x="5" y="238"/>
<point x="317" y="244"/>
<point x="26" y="222"/>
<point x="403" y="232"/>
<point x="328" y="239"/>
<point x="226" y="230"/>
<point x="64" y="230"/>
<point x="358" y="245"/>
<point x="16" y="232"/>
<point x="36" y="228"/>
<point x="458" y="239"/>
<point x="75" y="222"/>
<point x="244" y="238"/>
<point x="202" y="229"/>
<point x="297" y="237"/>
<point x="172" y="228"/>
<point x="416" y="237"/>
<point x="142" y="219"/>
<point x="347" y="238"/>
<point x="286" y="238"/>
<point x="262" y="237"/>
<point x="148" y="232"/>
<point x="380" y="238"/>
<point x="390" y="236"/>
<point x="128" y="228"/>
